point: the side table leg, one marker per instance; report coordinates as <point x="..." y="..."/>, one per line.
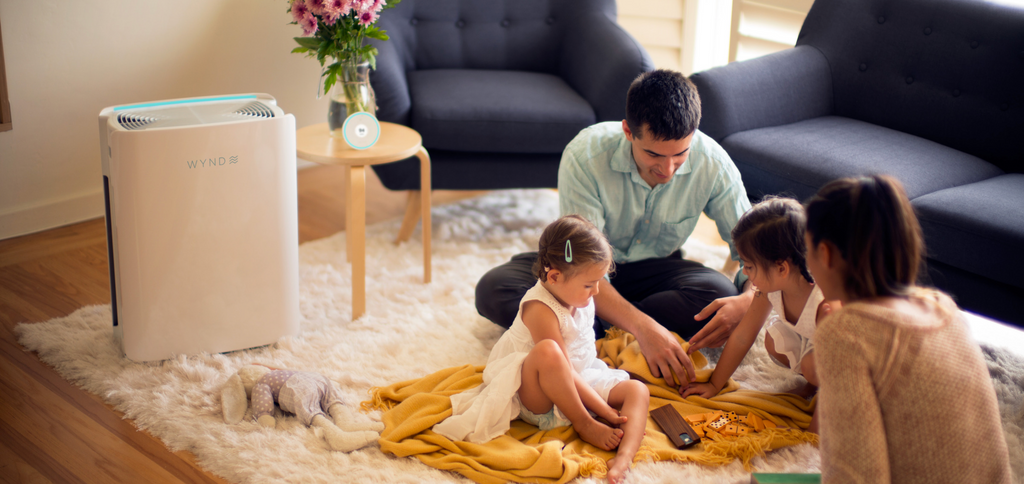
<point x="348" y="212"/>
<point x="425" y="206"/>
<point x="356" y="228"/>
<point x="412" y="215"/>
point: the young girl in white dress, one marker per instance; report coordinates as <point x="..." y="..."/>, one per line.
<point x="770" y="241"/>
<point x="544" y="369"/>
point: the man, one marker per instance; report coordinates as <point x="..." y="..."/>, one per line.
<point x="644" y="183"/>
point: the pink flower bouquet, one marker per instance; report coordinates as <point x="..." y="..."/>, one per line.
<point x="336" y="29"/>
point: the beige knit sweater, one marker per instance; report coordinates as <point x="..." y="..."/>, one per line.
<point x="906" y="398"/>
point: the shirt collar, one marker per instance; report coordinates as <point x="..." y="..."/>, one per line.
<point x="623" y="162"/>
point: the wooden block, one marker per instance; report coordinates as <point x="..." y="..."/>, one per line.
<point x="718" y="423"/>
<point x="695" y="419"/>
<point x="768" y="424"/>
<point x="755" y="422"/>
<point x="731" y="430"/>
<point x="677" y="430"/>
<point x="732" y="416"/>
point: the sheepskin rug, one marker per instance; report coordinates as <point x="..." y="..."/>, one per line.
<point x="410" y="330"/>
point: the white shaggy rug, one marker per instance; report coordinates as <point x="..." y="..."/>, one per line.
<point x="410" y="330"/>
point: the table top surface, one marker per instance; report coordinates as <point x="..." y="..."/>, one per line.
<point x="315" y="143"/>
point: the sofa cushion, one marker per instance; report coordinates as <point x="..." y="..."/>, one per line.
<point x="496" y="111"/>
<point x="977" y="227"/>
<point x="945" y="70"/>
<point x="798" y="158"/>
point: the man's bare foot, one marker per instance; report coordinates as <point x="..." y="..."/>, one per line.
<point x="617" y="468"/>
<point x="599" y="435"/>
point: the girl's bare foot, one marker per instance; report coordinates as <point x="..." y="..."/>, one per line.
<point x="613" y="418"/>
<point x="599" y="435"/>
<point x="617" y="468"/>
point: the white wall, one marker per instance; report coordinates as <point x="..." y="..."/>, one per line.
<point x="66" y="60"/>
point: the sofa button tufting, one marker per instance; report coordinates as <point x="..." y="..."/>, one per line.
<point x="974" y="44"/>
<point x="863" y="67"/>
<point x="460" y="24"/>
<point x="956" y="93"/>
<point x="505" y="23"/>
<point x="881" y="20"/>
<point x="910" y="79"/>
<point x="927" y="31"/>
<point x="414" y="21"/>
<point x="549" y="20"/>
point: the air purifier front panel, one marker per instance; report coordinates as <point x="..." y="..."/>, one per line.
<point x="205" y="222"/>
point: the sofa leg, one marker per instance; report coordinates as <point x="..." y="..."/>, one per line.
<point x="412" y="216"/>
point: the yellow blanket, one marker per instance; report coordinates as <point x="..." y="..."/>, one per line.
<point x="527" y="454"/>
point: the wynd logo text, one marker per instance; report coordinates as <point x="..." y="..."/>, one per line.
<point x="211" y="162"/>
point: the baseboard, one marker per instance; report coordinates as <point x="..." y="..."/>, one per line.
<point x="50" y="215"/>
<point x="64" y="212"/>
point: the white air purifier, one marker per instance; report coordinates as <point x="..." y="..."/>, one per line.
<point x="202" y="224"/>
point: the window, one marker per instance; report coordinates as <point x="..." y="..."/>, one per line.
<point x="761" y="27"/>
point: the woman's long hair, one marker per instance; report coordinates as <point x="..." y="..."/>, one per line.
<point x="872" y="224"/>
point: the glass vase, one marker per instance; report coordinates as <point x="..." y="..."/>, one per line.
<point x="351" y="93"/>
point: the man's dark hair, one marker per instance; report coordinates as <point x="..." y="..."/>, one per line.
<point x="666" y="102"/>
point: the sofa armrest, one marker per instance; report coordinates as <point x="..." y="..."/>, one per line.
<point x="780" y="88"/>
<point x="389" y="82"/>
<point x="599" y="60"/>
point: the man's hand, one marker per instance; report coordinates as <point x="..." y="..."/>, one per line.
<point x="661" y="348"/>
<point x="664" y="354"/>
<point x="715" y="333"/>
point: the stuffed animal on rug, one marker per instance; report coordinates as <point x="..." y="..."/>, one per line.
<point x="310" y="396"/>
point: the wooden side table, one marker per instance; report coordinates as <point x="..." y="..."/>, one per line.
<point x="397" y="142"/>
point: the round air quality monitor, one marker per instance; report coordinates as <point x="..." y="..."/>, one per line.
<point x="361" y="130"/>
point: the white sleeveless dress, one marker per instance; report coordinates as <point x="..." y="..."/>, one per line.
<point x="485" y="412"/>
<point x="793" y="340"/>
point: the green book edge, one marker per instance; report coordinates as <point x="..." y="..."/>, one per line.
<point x="771" y="478"/>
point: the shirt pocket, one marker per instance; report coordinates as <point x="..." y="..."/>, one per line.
<point x="674" y="234"/>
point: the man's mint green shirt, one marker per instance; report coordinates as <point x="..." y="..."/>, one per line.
<point x="598" y="179"/>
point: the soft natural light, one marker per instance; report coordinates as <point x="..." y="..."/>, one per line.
<point x="994" y="333"/>
<point x="1010" y="3"/>
<point x="775" y="31"/>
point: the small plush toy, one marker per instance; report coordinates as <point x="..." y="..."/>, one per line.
<point x="307" y="395"/>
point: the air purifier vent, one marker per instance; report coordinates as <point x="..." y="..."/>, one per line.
<point x="178" y="113"/>
<point x="256" y="110"/>
<point x="134" y="121"/>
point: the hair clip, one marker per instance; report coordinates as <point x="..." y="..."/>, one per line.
<point x="568" y="251"/>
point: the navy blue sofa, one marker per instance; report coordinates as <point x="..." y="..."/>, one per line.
<point x="497" y="88"/>
<point x="930" y="91"/>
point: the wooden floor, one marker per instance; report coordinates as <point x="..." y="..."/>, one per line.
<point x="52" y="431"/>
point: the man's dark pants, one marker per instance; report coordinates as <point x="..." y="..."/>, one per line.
<point x="669" y="290"/>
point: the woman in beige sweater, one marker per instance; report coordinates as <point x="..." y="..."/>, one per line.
<point x="905" y="395"/>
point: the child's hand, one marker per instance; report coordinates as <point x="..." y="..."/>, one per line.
<point x="706" y="390"/>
